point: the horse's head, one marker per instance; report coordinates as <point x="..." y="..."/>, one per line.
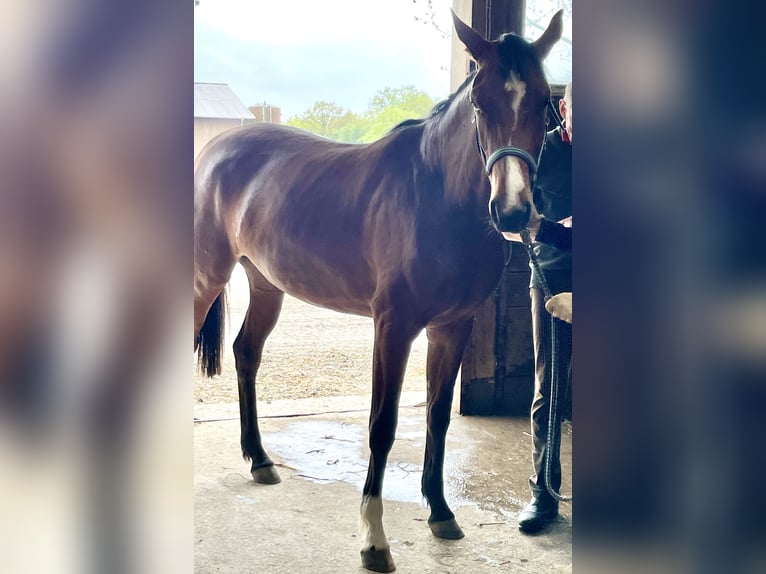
<point x="510" y="94"/>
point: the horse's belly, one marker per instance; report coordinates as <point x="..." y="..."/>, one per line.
<point x="318" y="282"/>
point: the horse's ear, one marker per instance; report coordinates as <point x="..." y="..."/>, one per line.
<point x="551" y="35"/>
<point x="472" y="40"/>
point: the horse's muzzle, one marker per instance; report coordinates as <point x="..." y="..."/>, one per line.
<point x="513" y="220"/>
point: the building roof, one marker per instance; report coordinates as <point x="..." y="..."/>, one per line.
<point x="218" y="101"/>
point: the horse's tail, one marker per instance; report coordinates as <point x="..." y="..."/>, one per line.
<point x="210" y="340"/>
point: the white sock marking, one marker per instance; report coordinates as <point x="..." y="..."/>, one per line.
<point x="372" y="523"/>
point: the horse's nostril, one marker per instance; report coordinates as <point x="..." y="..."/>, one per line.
<point x="512" y="221"/>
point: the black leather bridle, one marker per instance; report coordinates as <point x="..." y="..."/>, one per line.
<point x="514" y="151"/>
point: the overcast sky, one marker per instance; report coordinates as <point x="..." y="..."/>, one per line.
<point x="293" y="53"/>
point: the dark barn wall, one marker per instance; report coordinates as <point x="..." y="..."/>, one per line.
<point x="501" y="383"/>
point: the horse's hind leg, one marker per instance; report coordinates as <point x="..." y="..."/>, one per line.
<point x="262" y="314"/>
<point x="445" y="351"/>
<point x="214" y="261"/>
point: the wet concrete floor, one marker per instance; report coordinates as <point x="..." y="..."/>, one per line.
<point x="309" y="522"/>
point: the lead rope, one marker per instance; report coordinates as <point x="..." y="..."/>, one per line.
<point x="553" y="436"/>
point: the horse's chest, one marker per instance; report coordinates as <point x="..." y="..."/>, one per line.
<point x="462" y="277"/>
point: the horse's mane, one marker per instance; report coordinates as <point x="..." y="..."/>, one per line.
<point x="444" y="104"/>
<point x="438" y="109"/>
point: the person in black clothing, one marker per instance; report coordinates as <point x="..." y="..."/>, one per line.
<point x="559" y="235"/>
<point x="552" y="234"/>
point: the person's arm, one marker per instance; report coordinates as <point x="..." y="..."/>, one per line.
<point x="555" y="234"/>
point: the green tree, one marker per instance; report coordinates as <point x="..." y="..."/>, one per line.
<point x="320" y="118"/>
<point x="330" y="120"/>
<point x="407" y="98"/>
<point x="350" y="128"/>
<point x="390" y="106"/>
<point x="387" y="108"/>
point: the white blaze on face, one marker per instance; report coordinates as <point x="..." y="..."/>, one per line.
<point x="515" y="86"/>
<point x="507" y="185"/>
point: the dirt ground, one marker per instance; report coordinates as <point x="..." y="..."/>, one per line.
<point x="312" y="352"/>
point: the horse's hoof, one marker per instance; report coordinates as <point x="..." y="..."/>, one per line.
<point x="266" y="475"/>
<point x="447" y="529"/>
<point x="378" y="560"/>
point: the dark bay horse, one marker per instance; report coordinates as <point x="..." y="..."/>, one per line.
<point x="406" y="230"/>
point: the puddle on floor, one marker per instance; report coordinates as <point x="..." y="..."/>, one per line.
<point x="323" y="451"/>
<point x="488" y="461"/>
<point x="489" y="469"/>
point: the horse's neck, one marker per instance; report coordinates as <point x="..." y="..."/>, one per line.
<point x="450" y="147"/>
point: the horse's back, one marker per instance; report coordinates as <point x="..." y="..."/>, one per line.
<point x="232" y="160"/>
<point x="295" y="205"/>
<point x="261" y="139"/>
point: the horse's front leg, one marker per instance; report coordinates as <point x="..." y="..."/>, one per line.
<point x="445" y="351"/>
<point x="393" y="337"/>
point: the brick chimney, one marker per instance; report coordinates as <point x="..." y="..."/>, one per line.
<point x="266" y="113"/>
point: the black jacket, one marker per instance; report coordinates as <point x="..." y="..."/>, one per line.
<point x="553" y="199"/>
